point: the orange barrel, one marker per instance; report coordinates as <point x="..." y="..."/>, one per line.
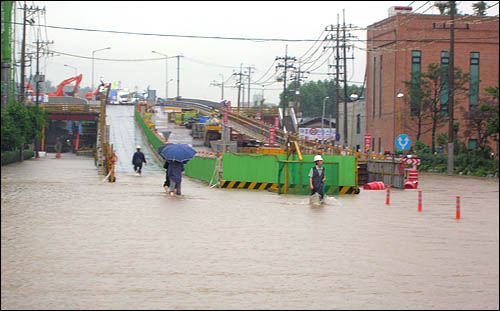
<point x="419" y="200"/>
<point x="388" y="198"/>
<point x="413" y="174"/>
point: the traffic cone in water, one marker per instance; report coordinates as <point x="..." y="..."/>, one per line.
<point x="58" y="155"/>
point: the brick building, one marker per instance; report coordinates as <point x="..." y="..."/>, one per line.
<point x="406" y="43"/>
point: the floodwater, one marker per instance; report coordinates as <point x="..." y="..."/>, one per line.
<point x="71" y="241"/>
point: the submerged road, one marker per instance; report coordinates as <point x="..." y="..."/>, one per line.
<point x="71" y="241"/>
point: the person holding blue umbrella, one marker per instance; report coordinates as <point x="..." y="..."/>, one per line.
<point x="176" y="155"/>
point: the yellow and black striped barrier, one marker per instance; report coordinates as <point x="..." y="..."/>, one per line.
<point x="276" y="187"/>
<point x="249" y="185"/>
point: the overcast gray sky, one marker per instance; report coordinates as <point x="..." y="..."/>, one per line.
<point x="205" y="60"/>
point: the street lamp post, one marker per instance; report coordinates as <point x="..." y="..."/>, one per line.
<point x="322" y="119"/>
<point x="76" y="71"/>
<point x="166" y="72"/>
<point x="93" y="52"/>
<point x="400" y="95"/>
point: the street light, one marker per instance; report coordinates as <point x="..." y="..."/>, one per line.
<point x="399" y="96"/>
<point x="93" y="52"/>
<point x="166" y="72"/>
<point x="76" y="71"/>
<point x="323" y="118"/>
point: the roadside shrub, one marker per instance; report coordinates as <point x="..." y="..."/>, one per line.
<point x="13" y="156"/>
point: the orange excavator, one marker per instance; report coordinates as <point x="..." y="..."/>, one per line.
<point x="60" y="88"/>
<point x="94" y="94"/>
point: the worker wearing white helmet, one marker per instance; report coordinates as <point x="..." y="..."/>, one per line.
<point x="317" y="177"/>
<point x="138" y="159"/>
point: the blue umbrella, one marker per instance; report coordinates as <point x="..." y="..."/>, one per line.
<point x="178" y="152"/>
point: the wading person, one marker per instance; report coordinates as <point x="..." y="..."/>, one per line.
<point x="174" y="173"/>
<point x="317" y="178"/>
<point x="138" y="159"/>
<point x="166" y="184"/>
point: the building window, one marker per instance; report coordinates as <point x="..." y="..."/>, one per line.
<point x="472" y="144"/>
<point x="416" y="67"/>
<point x="445" y="61"/>
<point x="373" y="144"/>
<point x="474" y="79"/>
<point x="374" y="86"/>
<point x="380" y="89"/>
<point x="379" y="145"/>
<point x="358" y="124"/>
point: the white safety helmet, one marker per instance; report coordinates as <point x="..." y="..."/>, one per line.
<point x="318" y="158"/>
<point x="138" y="147"/>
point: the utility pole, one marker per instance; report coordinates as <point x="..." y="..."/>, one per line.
<point x="249" y="73"/>
<point x="340" y="69"/>
<point x="23" y="56"/>
<point x="214" y="83"/>
<point x="345" y="81"/>
<point x="222" y="87"/>
<point x="298" y="78"/>
<point x="286" y="66"/>
<point x="178" y="69"/>
<point x="239" y="85"/>
<point x="451" y="83"/>
<point x="39" y="78"/>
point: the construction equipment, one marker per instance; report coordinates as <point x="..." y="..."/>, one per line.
<point x="60" y="87"/>
<point x="213" y="131"/>
<point x="92" y="95"/>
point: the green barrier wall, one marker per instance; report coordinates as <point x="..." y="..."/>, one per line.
<point x="153" y="139"/>
<point x="201" y="168"/>
<point x="252" y="168"/>
<point x="298" y="177"/>
<point x="347" y="166"/>
<point x="268" y="169"/>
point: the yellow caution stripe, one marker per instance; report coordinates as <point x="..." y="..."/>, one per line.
<point x="248" y="185"/>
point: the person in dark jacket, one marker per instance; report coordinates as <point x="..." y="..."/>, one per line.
<point x="166" y="184"/>
<point x="174" y="174"/>
<point x="317" y="178"/>
<point x="138" y="159"/>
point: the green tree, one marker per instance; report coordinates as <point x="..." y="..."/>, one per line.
<point x="428" y="88"/>
<point x="482" y="121"/>
<point x="312" y="94"/>
<point x="11" y="134"/>
<point x="479" y="8"/>
<point x="21" y="124"/>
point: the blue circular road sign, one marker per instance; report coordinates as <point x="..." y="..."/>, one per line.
<point x="403" y="142"/>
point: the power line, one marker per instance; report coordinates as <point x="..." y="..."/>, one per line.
<point x="173" y="35"/>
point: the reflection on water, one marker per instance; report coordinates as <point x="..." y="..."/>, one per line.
<point x="71" y="241"/>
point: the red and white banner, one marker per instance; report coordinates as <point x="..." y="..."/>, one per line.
<point x="368" y="142"/>
<point x="272" y="138"/>
<point x="228" y="106"/>
<point x="225" y="117"/>
<point x="276" y="122"/>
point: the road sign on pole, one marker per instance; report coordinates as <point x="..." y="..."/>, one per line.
<point x="403" y="142"/>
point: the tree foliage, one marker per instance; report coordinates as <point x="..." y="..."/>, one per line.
<point x="482" y="121"/>
<point x="427" y="89"/>
<point x="479" y="8"/>
<point x="313" y="93"/>
<point x="21" y="124"/>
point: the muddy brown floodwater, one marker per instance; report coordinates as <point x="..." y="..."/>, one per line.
<point x="71" y="241"/>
